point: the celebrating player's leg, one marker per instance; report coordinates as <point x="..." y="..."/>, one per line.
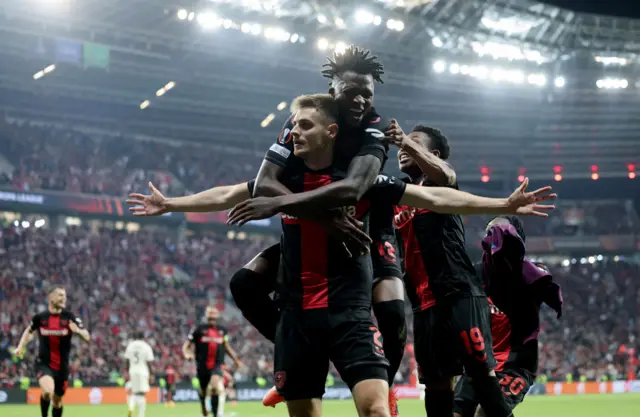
<point x="55" y="327"/>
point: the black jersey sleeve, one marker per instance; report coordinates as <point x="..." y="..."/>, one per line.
<point x="193" y="335"/>
<point x="372" y="143"/>
<point x="36" y="321"/>
<point x="282" y="149"/>
<point x="73" y="318"/>
<point x="251" y="185"/>
<point x="386" y="190"/>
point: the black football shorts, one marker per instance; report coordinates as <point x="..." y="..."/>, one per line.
<point x="453" y="335"/>
<point x="514" y="383"/>
<point x="306" y="340"/>
<point x="60" y="378"/>
<point x="204" y="376"/>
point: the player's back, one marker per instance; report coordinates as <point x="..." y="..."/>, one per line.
<point x="139" y="354"/>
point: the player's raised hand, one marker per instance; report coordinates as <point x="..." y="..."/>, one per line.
<point x="18" y="352"/>
<point x="394" y="134"/>
<point x="349" y="230"/>
<point x="147" y="205"/>
<point x="254" y="209"/>
<point x="528" y="203"/>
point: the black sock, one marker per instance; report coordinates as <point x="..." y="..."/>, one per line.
<point x="201" y="401"/>
<point x="251" y="291"/>
<point x="438" y="403"/>
<point x="56" y="412"/>
<point x="489" y="394"/>
<point x="393" y="327"/>
<point x="214" y="405"/>
<point x="44" y="407"/>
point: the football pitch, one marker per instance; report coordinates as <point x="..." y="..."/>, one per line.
<point x="624" y="405"/>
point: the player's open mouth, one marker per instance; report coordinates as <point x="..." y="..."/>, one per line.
<point x="402" y="158"/>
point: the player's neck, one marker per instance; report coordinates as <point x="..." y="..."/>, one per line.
<point x="54" y="310"/>
<point x="319" y="161"/>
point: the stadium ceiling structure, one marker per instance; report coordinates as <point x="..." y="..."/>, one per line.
<point x="152" y="41"/>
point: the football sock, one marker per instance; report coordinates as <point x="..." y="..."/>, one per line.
<point x="438" y="403"/>
<point x="251" y="291"/>
<point x="44" y="407"/>
<point x="393" y="327"/>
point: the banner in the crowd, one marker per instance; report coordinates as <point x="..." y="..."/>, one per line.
<point x="257" y="394"/>
<point x="94" y="396"/>
<point x="12" y="396"/>
<point x="613" y="387"/>
<point x="67" y="203"/>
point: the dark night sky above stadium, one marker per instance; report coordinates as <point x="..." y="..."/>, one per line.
<point x="626" y="8"/>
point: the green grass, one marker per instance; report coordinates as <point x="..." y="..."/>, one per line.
<point x="622" y="405"/>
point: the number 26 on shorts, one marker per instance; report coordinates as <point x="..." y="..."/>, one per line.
<point x="474" y="343"/>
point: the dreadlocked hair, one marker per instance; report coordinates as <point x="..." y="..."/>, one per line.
<point x="354" y="59"/>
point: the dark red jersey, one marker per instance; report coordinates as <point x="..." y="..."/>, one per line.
<point x="316" y="273"/>
<point x="55" y="338"/>
<point x="172" y="375"/>
<point x="515" y="341"/>
<point x="435" y="260"/>
<point x="209" y="344"/>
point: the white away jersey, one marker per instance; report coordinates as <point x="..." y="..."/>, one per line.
<point x="139" y="354"/>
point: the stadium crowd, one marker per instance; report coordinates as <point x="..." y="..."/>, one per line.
<point x="119" y="282"/>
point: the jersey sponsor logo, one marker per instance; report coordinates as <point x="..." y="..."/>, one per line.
<point x="383" y="180"/>
<point x="403" y="217"/>
<point x="206" y="339"/>
<point x="280" y="150"/>
<point x="375" y="133"/>
<point x="495" y="310"/>
<point x="375" y="120"/>
<point x="285" y="136"/>
<point x="47" y="332"/>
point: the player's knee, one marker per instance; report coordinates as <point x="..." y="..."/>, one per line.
<point x="480" y="412"/>
<point x="376" y="409"/>
<point x="57" y="401"/>
<point x="439" y="385"/>
<point x="391" y="319"/>
<point x="47" y="394"/>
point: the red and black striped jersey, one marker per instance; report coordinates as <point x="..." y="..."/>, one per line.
<point x="315" y="270"/>
<point x="54" y="336"/>
<point x="351" y="142"/>
<point x="435" y="260"/>
<point x="209" y="345"/>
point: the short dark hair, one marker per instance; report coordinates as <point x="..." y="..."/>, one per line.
<point x="354" y="59"/>
<point x="52" y="288"/>
<point x="138" y="335"/>
<point x="438" y="140"/>
<point x="324" y="103"/>
<point x="516" y="223"/>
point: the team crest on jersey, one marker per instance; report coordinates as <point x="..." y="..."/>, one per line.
<point x="64" y="323"/>
<point x="279" y="379"/>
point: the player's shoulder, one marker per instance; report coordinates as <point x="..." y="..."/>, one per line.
<point x="285" y="137"/>
<point x="67" y="314"/>
<point x="41" y="315"/>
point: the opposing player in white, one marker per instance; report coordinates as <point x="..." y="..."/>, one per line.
<point x="139" y="354"/>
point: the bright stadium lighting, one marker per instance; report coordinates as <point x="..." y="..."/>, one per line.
<point x="191" y="16"/>
<point x="321" y="18"/>
<point x="277" y="34"/>
<point x="267" y="120"/>
<point x="323" y="44"/>
<point x="600" y="83"/>
<point x="208" y="20"/>
<point x="439" y="66"/>
<point x="396" y="25"/>
<point x="498" y="75"/>
<point x="480" y="72"/>
<point x="38" y="75"/>
<point x="161" y="92"/>
<point x="364" y="17"/>
<point x="170" y="85"/>
<point x="282" y="105"/>
<point x="559" y="82"/>
<point x="377" y="20"/>
<point x="144" y="104"/>
<point x="611" y="60"/>
<point x="49" y="68"/>
<point x="245" y="28"/>
<point x="26" y="224"/>
<point x="294" y="38"/>
<point x="537" y="79"/>
<point x="437" y="42"/>
<point x="624" y="83"/>
<point x="464" y="69"/>
<point x="339" y="22"/>
<point x="183" y="14"/>
<point x="454" y="68"/>
<point x="39" y="223"/>
<point x="227" y="23"/>
<point x="256" y="29"/>
<point x="516" y="77"/>
<point x="340" y="47"/>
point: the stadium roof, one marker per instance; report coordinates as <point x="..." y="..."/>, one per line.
<point x="227" y="84"/>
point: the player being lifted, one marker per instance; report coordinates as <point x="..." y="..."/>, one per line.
<point x="55" y="327"/>
<point x="139" y="355"/>
<point x="210" y="342"/>
<point x="326" y="298"/>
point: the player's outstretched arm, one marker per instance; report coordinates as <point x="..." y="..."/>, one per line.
<point x="187" y="350"/>
<point x="214" y="199"/>
<point x="451" y="201"/>
<point x="232" y="354"/>
<point x="83" y="333"/>
<point x="27" y="336"/>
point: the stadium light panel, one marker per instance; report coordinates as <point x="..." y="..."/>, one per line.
<point x="439" y="66"/>
<point x="277" y="34"/>
<point x="464" y="70"/>
<point x="50" y="68"/>
<point x="485" y="178"/>
<point x="191" y="16"/>
<point x="39" y="223"/>
<point x="454" y="68"/>
<point x="144" y="104"/>
<point x="364" y="17"/>
<point x="632" y="175"/>
<point x="631" y="167"/>
<point x="170" y="85"/>
<point x="161" y="92"/>
<point x="227" y="23"/>
<point x="611" y="60"/>
<point x="339" y="22"/>
<point x="183" y="14"/>
<point x="267" y="120"/>
<point x="624" y="83"/>
<point x="595" y="176"/>
<point x="396" y="25"/>
<point x="208" y="20"/>
<point x="245" y="28"/>
<point x="437" y="42"/>
<point x="321" y="18"/>
<point x="282" y="105"/>
<point x="559" y="82"/>
<point x="255" y="29"/>
<point x="38" y="75"/>
<point x="520" y="178"/>
<point x="340" y="47"/>
<point x="537" y="79"/>
<point x="323" y="44"/>
<point x="377" y="20"/>
<point x="294" y="38"/>
<point x="26" y="224"/>
<point x="557" y="177"/>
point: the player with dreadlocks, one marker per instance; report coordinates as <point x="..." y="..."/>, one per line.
<point x="359" y="153"/>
